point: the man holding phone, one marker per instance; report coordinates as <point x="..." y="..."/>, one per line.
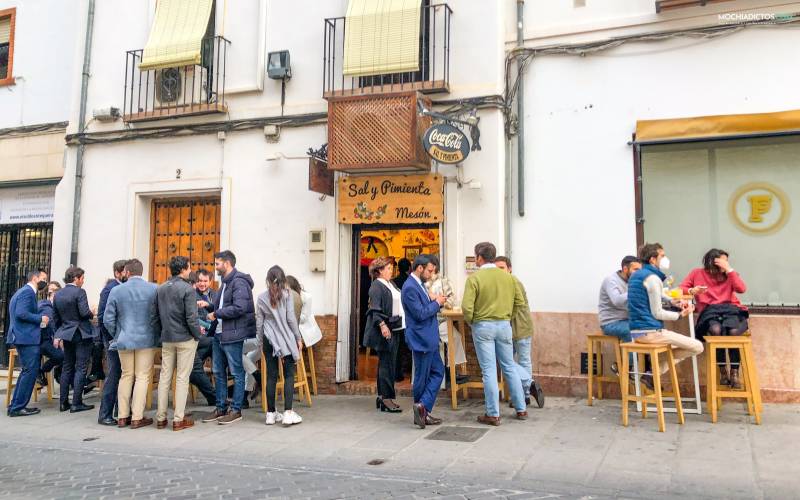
<point x="440" y="285"/>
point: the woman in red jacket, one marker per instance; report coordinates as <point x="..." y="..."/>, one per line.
<point x="715" y="286"/>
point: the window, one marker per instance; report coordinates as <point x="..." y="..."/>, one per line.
<point x="423" y="72"/>
<point x="734" y="194"/>
<point x="7" y="20"/>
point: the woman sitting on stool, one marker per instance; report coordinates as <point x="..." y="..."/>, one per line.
<point x="384" y="323"/>
<point x="715" y="286"/>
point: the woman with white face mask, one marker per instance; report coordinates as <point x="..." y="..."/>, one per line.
<point x="647" y="315"/>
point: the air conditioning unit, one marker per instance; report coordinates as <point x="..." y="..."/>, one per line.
<point x="182" y="86"/>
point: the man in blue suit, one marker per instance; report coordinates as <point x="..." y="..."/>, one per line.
<point x="422" y="337"/>
<point x="25" y="335"/>
<point x="111" y="384"/>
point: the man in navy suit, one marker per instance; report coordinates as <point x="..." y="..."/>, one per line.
<point x="111" y="384"/>
<point x="25" y="335"/>
<point x="422" y="337"/>
<point x="74" y="334"/>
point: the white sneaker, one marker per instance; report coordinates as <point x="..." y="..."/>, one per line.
<point x="272" y="417"/>
<point x="291" y="418"/>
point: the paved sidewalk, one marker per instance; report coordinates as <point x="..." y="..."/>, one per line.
<point x="566" y="449"/>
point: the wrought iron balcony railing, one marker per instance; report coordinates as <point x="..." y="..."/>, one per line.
<point x="433" y="75"/>
<point x="179" y="91"/>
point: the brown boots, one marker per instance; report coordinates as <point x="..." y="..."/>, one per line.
<point x="732" y="380"/>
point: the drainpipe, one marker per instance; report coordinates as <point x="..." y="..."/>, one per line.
<point x="76" y="214"/>
<point x="520" y="115"/>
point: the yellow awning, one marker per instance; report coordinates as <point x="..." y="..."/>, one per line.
<point x="381" y="37"/>
<point x="717" y="126"/>
<point x="177" y="34"/>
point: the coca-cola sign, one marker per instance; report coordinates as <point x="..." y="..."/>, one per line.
<point x="445" y="143"/>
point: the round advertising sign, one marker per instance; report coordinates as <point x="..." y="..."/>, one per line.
<point x="445" y="143"/>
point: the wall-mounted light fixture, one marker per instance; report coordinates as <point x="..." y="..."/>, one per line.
<point x="278" y="65"/>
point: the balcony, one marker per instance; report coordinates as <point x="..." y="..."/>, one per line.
<point x="177" y="92"/>
<point x="432" y="77"/>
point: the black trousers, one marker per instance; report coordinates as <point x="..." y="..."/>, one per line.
<point x="289" y="367"/>
<point x="198" y="377"/>
<point x="97" y="361"/>
<point x="110" y="386"/>
<point x="76" y="359"/>
<point x="55" y="356"/>
<point x="387" y="366"/>
<point x="724" y="328"/>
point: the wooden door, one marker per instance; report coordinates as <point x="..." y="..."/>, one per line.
<point x="185" y="227"/>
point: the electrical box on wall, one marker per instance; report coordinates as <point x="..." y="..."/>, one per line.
<point x="316" y="249"/>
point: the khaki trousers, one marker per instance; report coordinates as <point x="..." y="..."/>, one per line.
<point x="176" y="357"/>
<point x="682" y="346"/>
<point x="137" y="367"/>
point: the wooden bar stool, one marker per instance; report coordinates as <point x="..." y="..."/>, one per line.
<point x="312" y="369"/>
<point x="301" y="381"/>
<point x="594" y="344"/>
<point x="12" y="361"/>
<point x="12" y="357"/>
<point x="652" y="350"/>
<point x="751" y="390"/>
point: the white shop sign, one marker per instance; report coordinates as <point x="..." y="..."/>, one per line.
<point x="25" y="205"/>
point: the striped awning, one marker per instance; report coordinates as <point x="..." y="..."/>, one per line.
<point x="177" y="34"/>
<point x="381" y="37"/>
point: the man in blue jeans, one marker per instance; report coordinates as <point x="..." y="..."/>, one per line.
<point x="490" y="296"/>
<point x="25" y="335"/>
<point x="612" y="305"/>
<point x="233" y="321"/>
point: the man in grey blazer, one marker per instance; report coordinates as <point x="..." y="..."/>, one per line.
<point x="131" y="319"/>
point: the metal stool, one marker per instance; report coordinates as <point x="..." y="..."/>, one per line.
<point x="751" y="391"/>
<point x="594" y="345"/>
<point x="652" y="350"/>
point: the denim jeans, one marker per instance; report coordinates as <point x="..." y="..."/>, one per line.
<point x="493" y="346"/>
<point x="228" y="356"/>
<point x="621" y="329"/>
<point x="522" y="351"/>
<point x="29" y="358"/>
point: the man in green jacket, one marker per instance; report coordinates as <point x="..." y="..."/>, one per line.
<point x="490" y="296"/>
<point x="522" y="334"/>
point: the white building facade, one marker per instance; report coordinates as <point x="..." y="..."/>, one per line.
<point x="217" y="179"/>
<point x="37" y="40"/>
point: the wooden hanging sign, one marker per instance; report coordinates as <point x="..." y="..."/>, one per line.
<point x="394" y="199"/>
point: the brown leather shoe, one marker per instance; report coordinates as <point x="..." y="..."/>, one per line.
<point x="431" y="420"/>
<point x="486" y="419"/>
<point x="183" y="424"/>
<point x="124" y="422"/>
<point x="214" y="416"/>
<point x="144" y="422"/>
<point x="161" y="424"/>
<point x="522" y="415"/>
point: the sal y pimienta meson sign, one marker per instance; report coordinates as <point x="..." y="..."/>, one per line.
<point x="396" y="199"/>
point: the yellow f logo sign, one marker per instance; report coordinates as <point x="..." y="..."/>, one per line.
<point x="760" y="204"/>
